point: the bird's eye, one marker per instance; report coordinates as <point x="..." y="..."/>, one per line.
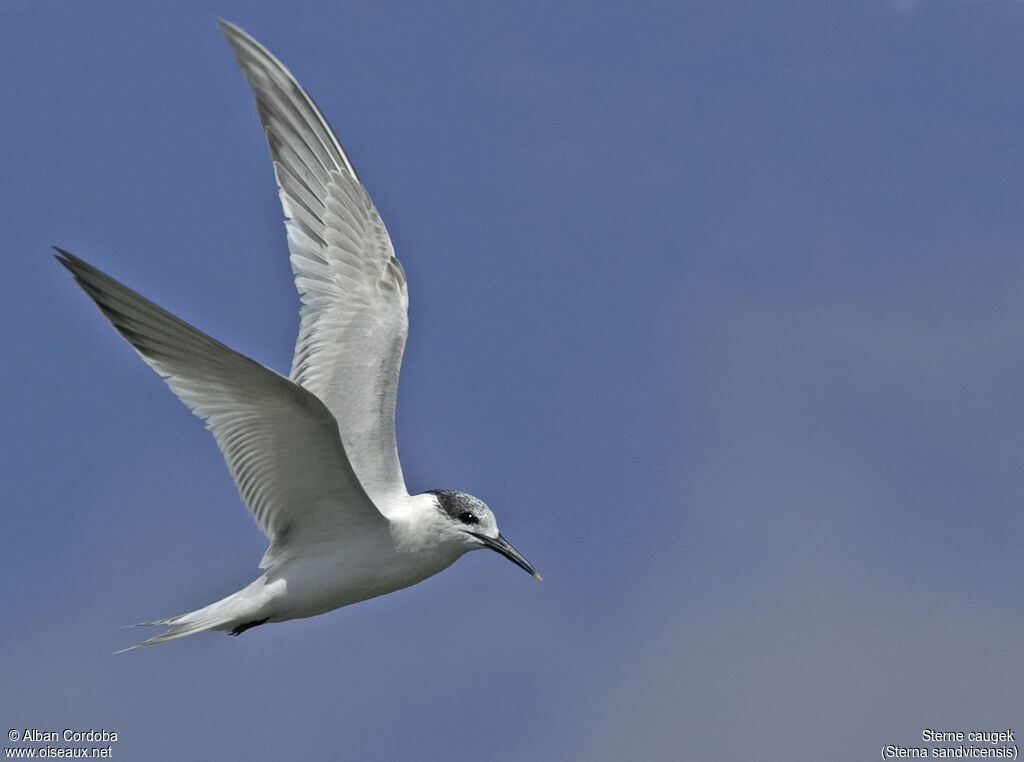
<point x="468" y="517"/>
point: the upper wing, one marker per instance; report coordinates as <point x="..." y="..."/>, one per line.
<point x="280" y="443"/>
<point x="354" y="316"/>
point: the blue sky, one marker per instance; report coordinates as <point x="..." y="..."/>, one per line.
<point x="719" y="305"/>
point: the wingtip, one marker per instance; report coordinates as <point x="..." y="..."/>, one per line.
<point x="235" y="36"/>
<point x="68" y="260"/>
<point x="77" y="266"/>
<point x="225" y="26"/>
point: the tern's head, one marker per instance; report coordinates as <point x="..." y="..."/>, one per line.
<point x="469" y="521"/>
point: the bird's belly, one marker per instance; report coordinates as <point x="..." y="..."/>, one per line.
<point x="310" y="586"/>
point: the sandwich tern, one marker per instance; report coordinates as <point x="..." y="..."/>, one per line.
<point x="313" y="454"/>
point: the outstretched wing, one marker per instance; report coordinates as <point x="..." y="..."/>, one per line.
<point x="354" y="316"/>
<point x="280" y="442"/>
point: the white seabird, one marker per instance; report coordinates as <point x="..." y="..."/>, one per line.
<point x="313" y="454"/>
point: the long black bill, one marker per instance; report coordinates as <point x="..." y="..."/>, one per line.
<point x="502" y="545"/>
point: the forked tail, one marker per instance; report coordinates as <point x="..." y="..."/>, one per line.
<point x="236" y="613"/>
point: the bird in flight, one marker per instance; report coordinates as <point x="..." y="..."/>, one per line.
<point x="313" y="454"/>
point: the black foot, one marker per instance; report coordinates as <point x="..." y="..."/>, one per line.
<point x="243" y="627"/>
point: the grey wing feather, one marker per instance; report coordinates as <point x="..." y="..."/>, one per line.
<point x="280" y="442"/>
<point x="354" y="315"/>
